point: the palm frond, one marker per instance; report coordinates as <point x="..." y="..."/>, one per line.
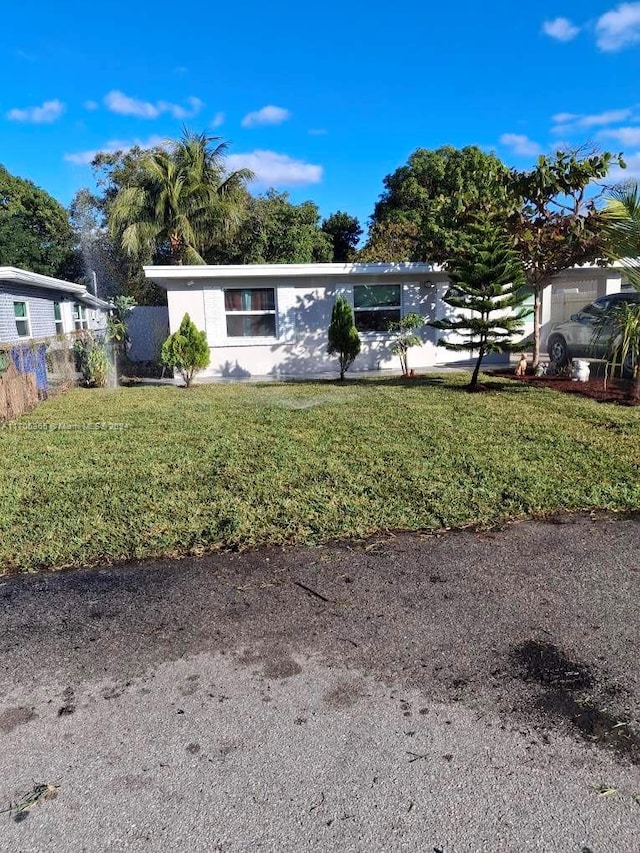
<point x="621" y="229"/>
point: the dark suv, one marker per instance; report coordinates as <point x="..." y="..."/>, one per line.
<point x="579" y="336"/>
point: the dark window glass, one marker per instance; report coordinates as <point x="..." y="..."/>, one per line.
<point x="376" y="321"/>
<point x="251" y="326"/>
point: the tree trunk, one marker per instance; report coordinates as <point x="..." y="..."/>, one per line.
<point x="476" y="369"/>
<point x="537" y="316"/>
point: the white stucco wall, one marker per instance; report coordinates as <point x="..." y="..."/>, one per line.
<point x="303" y="314"/>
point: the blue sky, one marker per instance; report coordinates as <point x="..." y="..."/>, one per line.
<point x="320" y="100"/>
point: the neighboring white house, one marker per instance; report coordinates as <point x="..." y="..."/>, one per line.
<point x="39" y="306"/>
<point x="272" y="319"/>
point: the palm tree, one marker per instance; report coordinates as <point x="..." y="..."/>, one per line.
<point x="182" y="199"/>
<point x="621" y="228"/>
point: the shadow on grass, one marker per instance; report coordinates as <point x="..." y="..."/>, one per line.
<point x="439" y="381"/>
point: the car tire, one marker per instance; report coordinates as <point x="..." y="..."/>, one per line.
<point x="558" y="350"/>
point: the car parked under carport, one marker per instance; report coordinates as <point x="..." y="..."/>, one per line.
<point x="583" y="335"/>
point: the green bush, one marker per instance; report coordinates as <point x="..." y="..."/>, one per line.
<point x="92" y="360"/>
<point x="186" y="350"/>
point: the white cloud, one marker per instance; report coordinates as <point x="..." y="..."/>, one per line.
<point x="91" y="105"/>
<point x="217" y="120"/>
<point x="84" y="158"/>
<point x="122" y="104"/>
<point x="619" y="28"/>
<point x="118" y="102"/>
<point x="520" y="144"/>
<point x="561" y="29"/>
<point x="320" y="131"/>
<point x="568" y="122"/>
<point x="564" y="118"/>
<point x="48" y="112"/>
<point x="195" y="105"/>
<point x="267" y="115"/>
<point x="601" y="119"/>
<point x="276" y="169"/>
<point x="625" y="135"/>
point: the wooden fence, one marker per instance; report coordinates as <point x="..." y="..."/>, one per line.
<point x="18" y="393"/>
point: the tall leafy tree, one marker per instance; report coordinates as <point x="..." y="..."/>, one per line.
<point x="344" y="231"/>
<point x="428" y="204"/>
<point x="35" y="232"/>
<point x="487" y="288"/>
<point x="180" y="199"/>
<point x="273" y="230"/>
<point x="391" y="242"/>
<point x="558" y="222"/>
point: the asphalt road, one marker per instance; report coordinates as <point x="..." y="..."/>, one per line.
<point x="469" y="692"/>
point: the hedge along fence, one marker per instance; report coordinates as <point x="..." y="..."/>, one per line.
<point x="32" y="371"/>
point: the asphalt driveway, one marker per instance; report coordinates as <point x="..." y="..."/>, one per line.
<point x="465" y="692"/>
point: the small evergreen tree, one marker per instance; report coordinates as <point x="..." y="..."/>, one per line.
<point x="487" y="286"/>
<point x="344" y="340"/>
<point x="186" y="350"/>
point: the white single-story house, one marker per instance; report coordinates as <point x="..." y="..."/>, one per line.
<point x="34" y="306"/>
<point x="272" y="319"/>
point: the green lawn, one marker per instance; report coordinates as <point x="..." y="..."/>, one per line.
<point x="243" y="465"/>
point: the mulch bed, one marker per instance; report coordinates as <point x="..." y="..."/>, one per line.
<point x="617" y="391"/>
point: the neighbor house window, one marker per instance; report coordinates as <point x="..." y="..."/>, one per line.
<point x="251" y="312"/>
<point x="376" y="305"/>
<point x="57" y="313"/>
<point x="80" y="317"/>
<point x="21" y="313"/>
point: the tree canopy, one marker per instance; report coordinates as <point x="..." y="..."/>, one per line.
<point x="180" y="199"/>
<point x="35" y="232"/>
<point x="558" y="222"/>
<point x="428" y="204"/>
<point x="273" y="230"/>
<point x="344" y="231"/>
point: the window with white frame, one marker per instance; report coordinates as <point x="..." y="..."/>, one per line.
<point x="250" y="312"/>
<point x="57" y="314"/>
<point x="376" y="305"/>
<point x="21" y="314"/>
<point x="80" y="316"/>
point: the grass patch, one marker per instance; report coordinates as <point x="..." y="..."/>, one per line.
<point x="236" y="466"/>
